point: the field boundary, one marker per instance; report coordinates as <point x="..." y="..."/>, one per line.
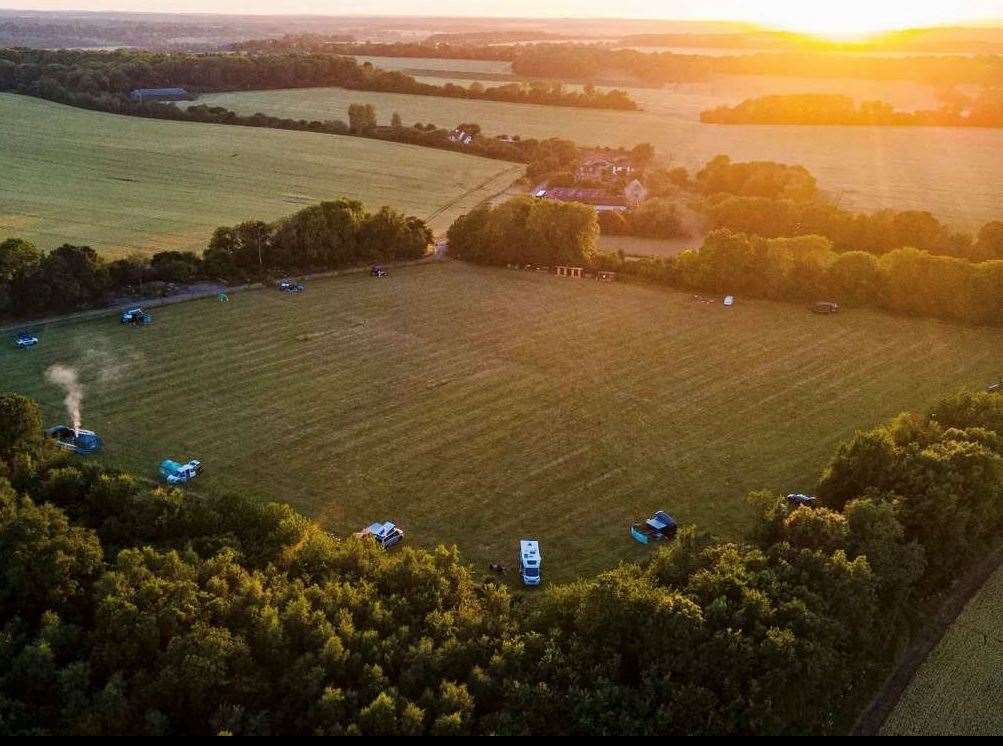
<point x="923" y="643"/>
<point x="184" y="297"/>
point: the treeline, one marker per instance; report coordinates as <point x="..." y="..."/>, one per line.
<point x="596" y="62"/>
<point x="799" y="269"/>
<point x="985" y="110"/>
<point x="807" y="269"/>
<point x="774" y="200"/>
<point x="62" y="75"/>
<point x="526" y="230"/>
<point x="129" y="609"/>
<point x="589" y="62"/>
<point x="333" y="45"/>
<point x="329" y="235"/>
<point x="658" y="217"/>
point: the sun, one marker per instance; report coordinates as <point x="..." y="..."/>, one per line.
<point x="850" y="19"/>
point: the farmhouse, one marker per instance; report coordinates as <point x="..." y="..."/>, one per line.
<point x="600" y="199"/>
<point x="160" y="94"/>
<point x="461" y="136"/>
<point x="603" y="166"/>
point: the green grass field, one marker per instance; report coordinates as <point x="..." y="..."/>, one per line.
<point x="952" y="172"/>
<point x="123" y="184"/>
<point x="476" y="406"/>
<point x="637" y="246"/>
<point x="959" y="688"/>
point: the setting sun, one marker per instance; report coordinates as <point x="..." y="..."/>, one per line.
<point x="851" y="18"/>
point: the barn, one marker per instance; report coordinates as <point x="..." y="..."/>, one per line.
<point x="160" y="94"/>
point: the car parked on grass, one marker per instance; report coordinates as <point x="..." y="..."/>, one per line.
<point x="24" y="340"/>
<point x="660" y="527"/>
<point x="136" y="316"/>
<point x="386" y="534"/>
<point x="825" y="307"/>
<point x="798" y="500"/>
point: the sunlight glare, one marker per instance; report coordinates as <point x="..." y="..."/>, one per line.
<point x="849" y="19"/>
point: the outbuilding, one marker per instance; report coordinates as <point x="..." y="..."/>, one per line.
<point x="141" y="95"/>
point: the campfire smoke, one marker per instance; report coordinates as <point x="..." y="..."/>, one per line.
<point x="67" y="378"/>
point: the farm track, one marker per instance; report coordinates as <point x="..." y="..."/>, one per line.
<point x="478" y="405"/>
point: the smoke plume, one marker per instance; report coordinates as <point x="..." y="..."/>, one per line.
<point x="66" y="377"/>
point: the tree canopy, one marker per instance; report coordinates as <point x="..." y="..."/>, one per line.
<point x="131" y="609"/>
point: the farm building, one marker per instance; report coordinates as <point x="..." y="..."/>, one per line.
<point x="600" y="199"/>
<point x="461" y="136"/>
<point x="602" y="166"/>
<point x="635" y="193"/>
<point x="160" y="94"/>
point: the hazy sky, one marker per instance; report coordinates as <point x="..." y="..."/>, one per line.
<point x="812" y="15"/>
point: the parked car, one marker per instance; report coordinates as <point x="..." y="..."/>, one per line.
<point x="288" y="286"/>
<point x="660" y="527"/>
<point x="798" y="500"/>
<point x="825" y="307"/>
<point x="173" y="472"/>
<point x="24" y="340"/>
<point x="136" y="316"/>
<point x="385" y="534"/>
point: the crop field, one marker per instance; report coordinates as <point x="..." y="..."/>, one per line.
<point x="951" y="171"/>
<point x="477" y="406"/>
<point x="123" y="184"/>
<point x="958" y="689"/>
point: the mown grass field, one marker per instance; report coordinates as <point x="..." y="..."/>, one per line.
<point x="476" y="406"/>
<point x="638" y="246"/>
<point x="959" y="688"/>
<point x="952" y="172"/>
<point x="123" y="184"/>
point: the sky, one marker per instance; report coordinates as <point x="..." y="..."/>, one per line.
<point x="819" y="16"/>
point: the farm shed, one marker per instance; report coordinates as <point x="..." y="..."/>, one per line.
<point x="160" y="94"/>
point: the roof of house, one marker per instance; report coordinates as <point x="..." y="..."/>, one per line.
<point x="586" y="196"/>
<point x="159" y="92"/>
<point x="602" y="159"/>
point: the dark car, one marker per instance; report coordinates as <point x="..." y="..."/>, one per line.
<point x="797" y="500"/>
<point x="825" y="307"/>
<point x="379" y="270"/>
<point x="287" y="286"/>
